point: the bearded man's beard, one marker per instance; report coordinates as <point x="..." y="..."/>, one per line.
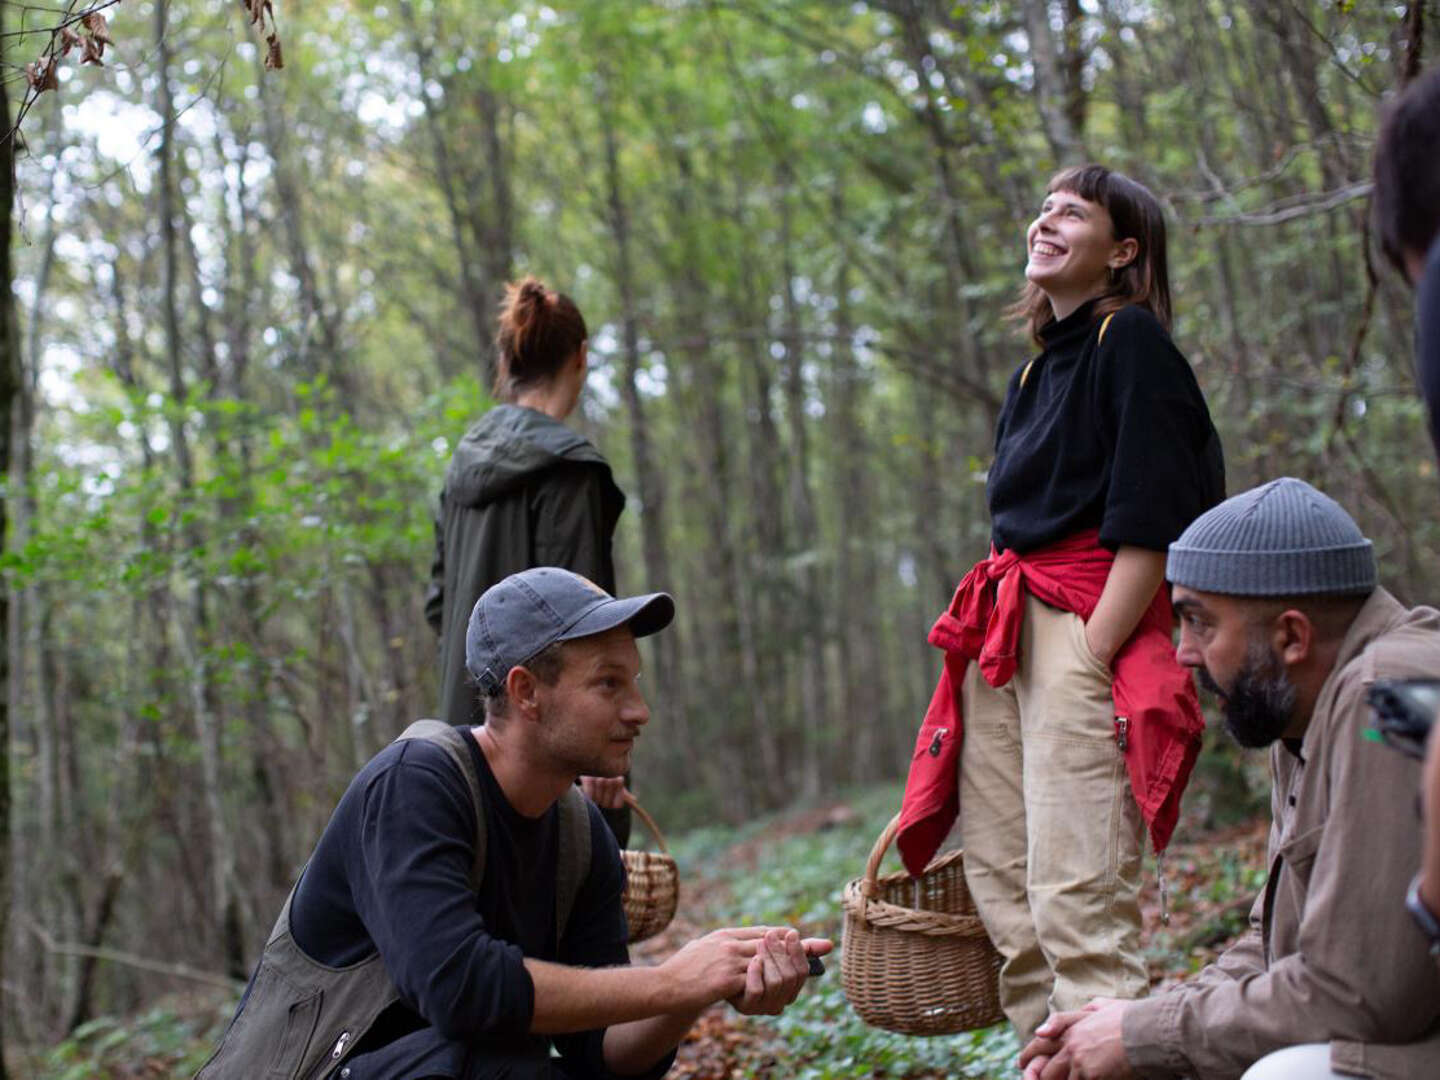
<point x="1259" y="703"/>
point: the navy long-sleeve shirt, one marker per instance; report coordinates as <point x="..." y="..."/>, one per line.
<point x="391" y="871"/>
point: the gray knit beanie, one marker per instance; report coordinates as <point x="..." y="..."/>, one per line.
<point x="1283" y="538"/>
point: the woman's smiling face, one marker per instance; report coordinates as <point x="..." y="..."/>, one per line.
<point x="1071" y="247"/>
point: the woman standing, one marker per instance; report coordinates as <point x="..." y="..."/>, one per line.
<point x="1079" y="727"/>
<point x="523" y="490"/>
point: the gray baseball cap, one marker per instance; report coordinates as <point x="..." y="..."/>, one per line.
<point x="527" y="612"/>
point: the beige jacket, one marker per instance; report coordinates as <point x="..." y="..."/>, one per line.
<point x="1331" y="954"/>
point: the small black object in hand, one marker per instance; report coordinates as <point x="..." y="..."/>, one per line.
<point x="817" y="966"/>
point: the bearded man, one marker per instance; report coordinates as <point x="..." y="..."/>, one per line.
<point x="1283" y="621"/>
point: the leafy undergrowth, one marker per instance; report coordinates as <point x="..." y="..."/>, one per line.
<point x="788" y="869"/>
<point x="173" y="1039"/>
<point x="792" y="868"/>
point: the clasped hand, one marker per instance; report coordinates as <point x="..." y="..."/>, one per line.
<point x="1086" y="1044"/>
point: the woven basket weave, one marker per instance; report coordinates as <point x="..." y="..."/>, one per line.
<point x="916" y="957"/>
<point x="652" y="883"/>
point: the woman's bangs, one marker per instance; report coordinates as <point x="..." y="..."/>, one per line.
<point x="1090" y="182"/>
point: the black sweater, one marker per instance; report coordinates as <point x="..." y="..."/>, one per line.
<point x="390" y="873"/>
<point x="1110" y="435"/>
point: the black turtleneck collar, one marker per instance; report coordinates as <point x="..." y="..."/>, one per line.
<point x="1076" y="324"/>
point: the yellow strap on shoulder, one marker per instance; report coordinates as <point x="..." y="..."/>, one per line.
<point x="1024" y="375"/>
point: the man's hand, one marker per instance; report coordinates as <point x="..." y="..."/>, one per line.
<point x="606" y="792"/>
<point x="777" y="972"/>
<point x="758" y="969"/>
<point x="1085" y="1044"/>
<point x="711" y="968"/>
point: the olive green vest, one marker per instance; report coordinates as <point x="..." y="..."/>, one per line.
<point x="302" y="1017"/>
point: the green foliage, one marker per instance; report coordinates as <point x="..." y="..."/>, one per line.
<point x="161" y="1042"/>
<point x="825" y="1040"/>
<point x="796" y="878"/>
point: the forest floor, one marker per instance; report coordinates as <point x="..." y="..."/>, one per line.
<point x="792" y="869"/>
<point x="789" y="868"/>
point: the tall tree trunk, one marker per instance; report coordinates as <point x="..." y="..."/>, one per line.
<point x="718" y="632"/>
<point x="1301" y="59"/>
<point x="360" y="686"/>
<point x="240" y="288"/>
<point x="317" y="349"/>
<point x="1129" y="92"/>
<point x="493" y="218"/>
<point x="80" y="1009"/>
<point x="1412" y="51"/>
<point x="854" y="587"/>
<point x="809" y="611"/>
<point x="955" y="333"/>
<point x="649" y="482"/>
<point x="1059" y="95"/>
<point x="28" y="641"/>
<point x="192" y="624"/>
<point x="475" y="292"/>
<point x="9" y="389"/>
<point x="766" y="611"/>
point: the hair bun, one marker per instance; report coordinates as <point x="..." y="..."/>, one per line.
<point x="539" y="331"/>
<point x="530" y="292"/>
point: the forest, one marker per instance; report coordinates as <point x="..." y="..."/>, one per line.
<point x="255" y="258"/>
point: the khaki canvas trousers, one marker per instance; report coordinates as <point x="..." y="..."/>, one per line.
<point x="1053" y="837"/>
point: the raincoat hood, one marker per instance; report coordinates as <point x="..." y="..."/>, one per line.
<point x="506" y="448"/>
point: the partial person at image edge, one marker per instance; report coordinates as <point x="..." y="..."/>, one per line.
<point x="1405" y="212"/>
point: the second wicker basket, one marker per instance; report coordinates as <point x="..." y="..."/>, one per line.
<point x="652" y="882"/>
<point x="916" y="959"/>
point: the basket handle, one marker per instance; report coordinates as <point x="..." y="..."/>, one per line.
<point x="634" y="804"/>
<point x="872" y="865"/>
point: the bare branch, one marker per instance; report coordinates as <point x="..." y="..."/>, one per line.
<point x="116" y="956"/>
<point x="1289" y="209"/>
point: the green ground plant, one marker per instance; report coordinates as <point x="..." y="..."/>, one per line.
<point x="797" y="878"/>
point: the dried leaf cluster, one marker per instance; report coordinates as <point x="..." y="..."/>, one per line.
<point x="262" y="12"/>
<point x="91" y="38"/>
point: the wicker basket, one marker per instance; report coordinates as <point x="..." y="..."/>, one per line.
<point x="652" y="883"/>
<point x="916" y="957"/>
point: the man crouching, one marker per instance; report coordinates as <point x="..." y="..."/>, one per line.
<point x="1282" y="619"/>
<point x="460" y="915"/>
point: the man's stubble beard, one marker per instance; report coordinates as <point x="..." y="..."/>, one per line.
<point x="569" y="754"/>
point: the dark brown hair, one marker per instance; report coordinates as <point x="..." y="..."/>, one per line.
<point x="546" y="665"/>
<point x="1134" y="213"/>
<point x="540" y="329"/>
<point x="1330" y="615"/>
<point x="1405" y="206"/>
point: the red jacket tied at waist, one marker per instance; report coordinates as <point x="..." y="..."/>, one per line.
<point x="1150" y="688"/>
